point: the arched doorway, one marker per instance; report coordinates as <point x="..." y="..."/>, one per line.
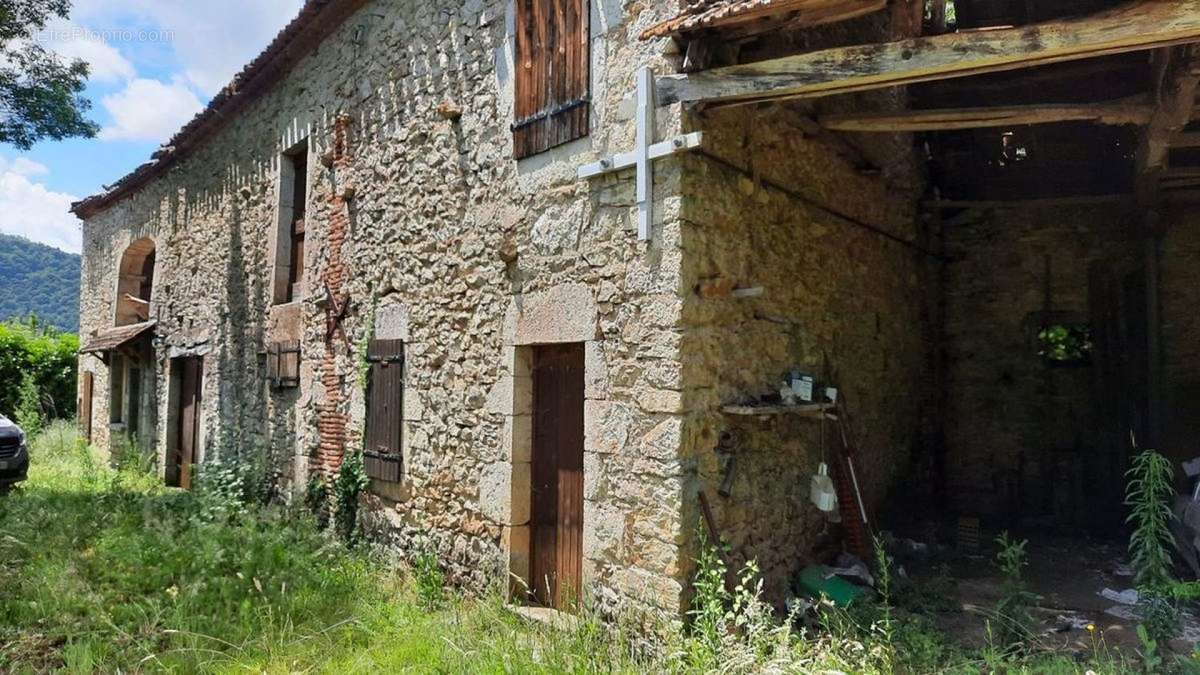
<point x="135" y="283"/>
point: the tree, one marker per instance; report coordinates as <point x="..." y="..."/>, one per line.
<point x="40" y="93"/>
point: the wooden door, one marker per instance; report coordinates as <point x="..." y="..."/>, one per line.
<point x="85" y="406"/>
<point x="190" y="388"/>
<point x="1121" y="367"/>
<point x="557" y="481"/>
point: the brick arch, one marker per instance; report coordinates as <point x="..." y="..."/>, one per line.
<point x="135" y="282"/>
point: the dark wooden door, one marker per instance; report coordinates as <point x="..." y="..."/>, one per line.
<point x="190" y="387"/>
<point x="85" y="406"/>
<point x="557" y="481"/>
<point x="1120" y="384"/>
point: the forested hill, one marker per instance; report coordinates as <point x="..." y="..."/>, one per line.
<point x="41" y="280"/>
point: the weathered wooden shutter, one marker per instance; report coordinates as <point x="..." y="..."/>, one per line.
<point x="385" y="410"/>
<point x="283" y="364"/>
<point x="552" y="74"/>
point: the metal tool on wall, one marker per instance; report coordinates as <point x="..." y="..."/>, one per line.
<point x="726" y="452"/>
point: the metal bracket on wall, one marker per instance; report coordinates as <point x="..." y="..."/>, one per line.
<point x="644" y="153"/>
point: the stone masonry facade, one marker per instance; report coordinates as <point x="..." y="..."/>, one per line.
<point x="431" y="233"/>
<point x="420" y="227"/>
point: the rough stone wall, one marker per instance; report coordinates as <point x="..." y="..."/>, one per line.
<point x="767" y="206"/>
<point x="447" y="236"/>
<point x="1180" y="289"/>
<point x="1010" y="420"/>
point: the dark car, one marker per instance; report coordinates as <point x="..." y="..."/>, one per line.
<point x="14" y="454"/>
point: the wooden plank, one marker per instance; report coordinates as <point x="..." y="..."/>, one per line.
<point x="85" y="405"/>
<point x="1047" y="202"/>
<point x="557" y="476"/>
<point x="1113" y="113"/>
<point x="1133" y="26"/>
<point x="189" y="417"/>
<point x="813" y="410"/>
<point x="552" y="79"/>
<point x="1187" y="139"/>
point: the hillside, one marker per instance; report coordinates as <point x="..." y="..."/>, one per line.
<point x="39" y="279"/>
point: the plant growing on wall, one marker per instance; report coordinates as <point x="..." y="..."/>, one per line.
<point x="347" y="487"/>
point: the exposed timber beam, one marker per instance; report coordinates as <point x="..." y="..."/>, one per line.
<point x="1036" y="202"/>
<point x="1133" y="26"/>
<point x="1114" y="113"/>
<point x="1188" y="139"/>
<point x="1177" y="80"/>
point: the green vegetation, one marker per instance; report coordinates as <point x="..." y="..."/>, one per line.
<point x="41" y="280"/>
<point x="1066" y="344"/>
<point x="1012" y="625"/>
<point x="105" y="570"/>
<point x="37" y="365"/>
<point x="40" y="92"/>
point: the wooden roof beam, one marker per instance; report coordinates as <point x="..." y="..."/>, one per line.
<point x="1134" y="26"/>
<point x="1177" y="81"/>
<point x="1114" y="113"/>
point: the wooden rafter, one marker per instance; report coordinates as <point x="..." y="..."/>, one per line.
<point x="1178" y="77"/>
<point x="1134" y="26"/>
<point x="1115" y="113"/>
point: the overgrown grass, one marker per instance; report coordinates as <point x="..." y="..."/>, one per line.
<point x="103" y="570"/>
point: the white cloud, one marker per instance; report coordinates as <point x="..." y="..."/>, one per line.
<point x="149" y="110"/>
<point x="32" y="211"/>
<point x="27" y="167"/>
<point x="213" y="40"/>
<point x="73" y="41"/>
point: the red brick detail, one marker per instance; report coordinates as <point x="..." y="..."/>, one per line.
<point x="331" y="422"/>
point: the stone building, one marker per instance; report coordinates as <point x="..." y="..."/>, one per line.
<point x="547" y="264"/>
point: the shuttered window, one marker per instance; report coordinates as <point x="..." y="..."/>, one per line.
<point x="385" y="410"/>
<point x="283" y="364"/>
<point x="552" y="74"/>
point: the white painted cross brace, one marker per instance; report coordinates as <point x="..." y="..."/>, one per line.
<point x="644" y="154"/>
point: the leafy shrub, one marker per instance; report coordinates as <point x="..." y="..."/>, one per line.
<point x="1148" y="495"/>
<point x="1011" y="623"/>
<point x="429" y="579"/>
<point x="29" y="406"/>
<point x="45" y="355"/>
<point x="350" y="482"/>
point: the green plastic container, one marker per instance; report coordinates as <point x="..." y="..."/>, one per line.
<point x="838" y="590"/>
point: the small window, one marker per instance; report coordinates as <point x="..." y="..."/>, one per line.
<point x="552" y="81"/>
<point x="382" y="457"/>
<point x="293" y="200"/>
<point x="283" y="364"/>
<point x="1065" y="344"/>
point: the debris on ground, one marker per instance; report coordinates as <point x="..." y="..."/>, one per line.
<point x="1128" y="596"/>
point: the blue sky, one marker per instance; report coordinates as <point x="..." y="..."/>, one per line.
<point x="155" y="63"/>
